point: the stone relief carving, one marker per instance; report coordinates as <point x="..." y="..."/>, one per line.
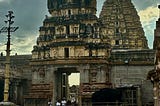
<point x="93" y="74"/>
<point x="41" y="72"/>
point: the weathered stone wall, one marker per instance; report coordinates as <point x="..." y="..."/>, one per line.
<point x="129" y="75"/>
<point x="130" y="68"/>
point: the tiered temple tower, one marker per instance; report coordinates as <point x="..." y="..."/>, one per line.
<point x="69" y="42"/>
<point x="122" y="25"/>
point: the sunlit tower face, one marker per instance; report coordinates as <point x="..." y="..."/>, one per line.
<point x="122" y="25"/>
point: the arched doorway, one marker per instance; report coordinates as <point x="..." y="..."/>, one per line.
<point x="62" y="81"/>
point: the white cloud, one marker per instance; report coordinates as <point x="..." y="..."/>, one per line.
<point x="23" y="45"/>
<point x="5" y="1"/>
<point x="2" y="47"/>
<point x="148" y="15"/>
<point x="148" y="18"/>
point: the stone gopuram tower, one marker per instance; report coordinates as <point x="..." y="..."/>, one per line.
<point x="122" y="25"/>
<point x="70" y="41"/>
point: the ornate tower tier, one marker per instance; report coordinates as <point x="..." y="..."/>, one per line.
<point x="69" y="26"/>
<point x="68" y="7"/>
<point x="72" y="23"/>
<point x="122" y="25"/>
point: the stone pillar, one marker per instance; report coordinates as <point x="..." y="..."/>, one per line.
<point x="64" y="85"/>
<point x="67" y="85"/>
<point x="156" y="93"/>
<point x="81" y="71"/>
<point x="16" y="92"/>
<point x="58" y="84"/>
<point x="139" y="96"/>
<point x="54" y="80"/>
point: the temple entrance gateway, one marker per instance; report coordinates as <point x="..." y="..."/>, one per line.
<point x="92" y="78"/>
<point x="70" y="41"/>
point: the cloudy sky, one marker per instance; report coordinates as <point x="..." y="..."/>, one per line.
<point x="29" y="16"/>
